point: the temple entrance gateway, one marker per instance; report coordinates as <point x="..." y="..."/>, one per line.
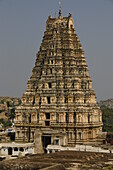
<point x="46" y="140"/>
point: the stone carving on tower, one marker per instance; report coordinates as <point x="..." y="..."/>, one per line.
<point x="59" y="100"/>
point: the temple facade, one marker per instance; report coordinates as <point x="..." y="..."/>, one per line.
<point x="59" y="100"/>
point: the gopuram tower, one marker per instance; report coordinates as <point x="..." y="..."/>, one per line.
<point x="59" y="100"/>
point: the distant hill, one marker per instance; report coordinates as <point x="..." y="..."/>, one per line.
<point x="106" y="103"/>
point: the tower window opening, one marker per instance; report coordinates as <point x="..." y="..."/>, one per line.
<point x="48" y="100"/>
<point x="47" y="115"/>
<point x="66" y="99"/>
<point x="50" y="70"/>
<point x="41" y="72"/>
<point x="40" y="102"/>
<point x="30" y="118"/>
<point x="37" y="116"/>
<point x="88" y="118"/>
<point x="50" y="85"/>
<point x="47" y="123"/>
<point x="57" y="142"/>
<point x="51" y="61"/>
<point x="74" y="117"/>
<point x="67" y="117"/>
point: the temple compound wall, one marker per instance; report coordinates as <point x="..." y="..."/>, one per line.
<point x="16" y="149"/>
<point x="59" y="99"/>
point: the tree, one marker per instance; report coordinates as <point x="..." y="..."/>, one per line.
<point x="2" y="101"/>
<point x="8" y="104"/>
<point x="12" y="114"/>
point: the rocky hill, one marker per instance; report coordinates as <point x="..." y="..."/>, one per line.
<point x="106" y="103"/>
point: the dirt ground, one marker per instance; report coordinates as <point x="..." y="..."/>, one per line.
<point x="66" y="160"/>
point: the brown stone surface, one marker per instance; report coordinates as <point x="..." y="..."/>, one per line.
<point x="61" y="160"/>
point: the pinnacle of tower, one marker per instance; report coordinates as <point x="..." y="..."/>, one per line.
<point x="59" y="10"/>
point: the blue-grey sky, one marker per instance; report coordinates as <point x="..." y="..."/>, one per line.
<point x="22" y="26"/>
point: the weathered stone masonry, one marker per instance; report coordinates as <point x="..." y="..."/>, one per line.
<point x="59" y="99"/>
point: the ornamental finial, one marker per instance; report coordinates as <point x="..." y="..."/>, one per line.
<point x="59" y="8"/>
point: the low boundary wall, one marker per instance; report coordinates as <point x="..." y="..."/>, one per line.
<point x="86" y="148"/>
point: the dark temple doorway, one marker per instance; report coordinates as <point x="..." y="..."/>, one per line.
<point x="46" y="140"/>
<point x="10" y="151"/>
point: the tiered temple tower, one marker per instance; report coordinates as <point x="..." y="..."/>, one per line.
<point x="59" y="100"/>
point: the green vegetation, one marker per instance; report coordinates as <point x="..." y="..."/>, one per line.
<point x="5" y="123"/>
<point x="107" y="116"/>
<point x="2" y="102"/>
<point x="12" y="114"/>
<point x="19" y="102"/>
<point x="9" y="103"/>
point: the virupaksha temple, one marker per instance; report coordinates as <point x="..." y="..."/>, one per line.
<point x="59" y="104"/>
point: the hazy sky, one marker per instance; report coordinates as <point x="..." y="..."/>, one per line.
<point x="22" y="26"/>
